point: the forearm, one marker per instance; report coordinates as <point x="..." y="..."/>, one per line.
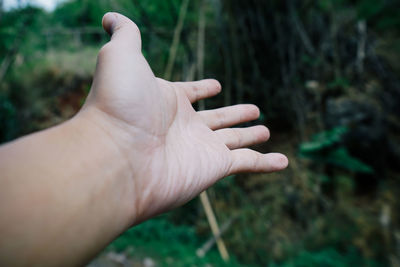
<point x="64" y="194"/>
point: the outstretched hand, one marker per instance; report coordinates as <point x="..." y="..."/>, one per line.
<point x="173" y="152"/>
<point x="136" y="148"/>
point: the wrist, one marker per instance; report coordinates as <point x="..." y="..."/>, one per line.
<point x="108" y="157"/>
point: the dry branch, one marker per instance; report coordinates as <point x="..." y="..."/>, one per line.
<point x="176" y="40"/>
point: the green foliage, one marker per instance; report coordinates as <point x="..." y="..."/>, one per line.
<point x="383" y="14"/>
<point x="31" y="97"/>
<point x="80" y="13"/>
<point x="329" y="5"/>
<point x="328" y="257"/>
<point x="340" y="82"/>
<point x="8" y="121"/>
<point x="327" y="148"/>
<point x="19" y="26"/>
<point x="341" y="157"/>
<point x="168" y="244"/>
<point x="322" y="141"/>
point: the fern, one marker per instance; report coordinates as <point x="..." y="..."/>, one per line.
<point x="327" y="148"/>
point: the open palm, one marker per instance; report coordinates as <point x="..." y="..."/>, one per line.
<point x="173" y="151"/>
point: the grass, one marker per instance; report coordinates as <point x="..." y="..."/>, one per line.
<point x="167" y="244"/>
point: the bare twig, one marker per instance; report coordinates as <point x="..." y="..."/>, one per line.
<point x="235" y="52"/>
<point x="214" y="225"/>
<point x="200" y="47"/>
<point x="223" y="43"/>
<point x="1" y="9"/>
<point x="362" y="39"/>
<point x="5" y="64"/>
<point x="201" y="252"/>
<point x="176" y="39"/>
<point x="300" y="28"/>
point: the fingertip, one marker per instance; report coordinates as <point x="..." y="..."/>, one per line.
<point x="122" y="30"/>
<point x="254" y="110"/>
<point x="109" y="20"/>
<point x="263" y="133"/>
<point x="281" y="161"/>
<point x="218" y="85"/>
<point x="215" y="85"/>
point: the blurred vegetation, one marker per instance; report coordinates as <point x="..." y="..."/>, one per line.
<point x="167" y="244"/>
<point x="325" y="75"/>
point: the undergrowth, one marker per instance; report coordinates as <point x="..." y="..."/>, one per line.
<point x="167" y="244"/>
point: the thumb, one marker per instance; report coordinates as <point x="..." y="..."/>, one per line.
<point x="122" y="29"/>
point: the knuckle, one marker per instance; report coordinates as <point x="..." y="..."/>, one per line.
<point x="220" y="118"/>
<point x="256" y="162"/>
<point x="237" y="138"/>
<point x="198" y="94"/>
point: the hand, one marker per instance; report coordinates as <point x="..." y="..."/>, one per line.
<point x="174" y="152"/>
<point x="136" y="148"/>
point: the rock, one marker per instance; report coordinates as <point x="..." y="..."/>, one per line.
<point x="117" y="257"/>
<point x="148" y="262"/>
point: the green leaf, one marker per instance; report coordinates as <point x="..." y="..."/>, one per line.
<point x="324" y="140"/>
<point x="326" y="148"/>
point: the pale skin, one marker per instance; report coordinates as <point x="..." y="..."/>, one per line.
<point x="136" y="149"/>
